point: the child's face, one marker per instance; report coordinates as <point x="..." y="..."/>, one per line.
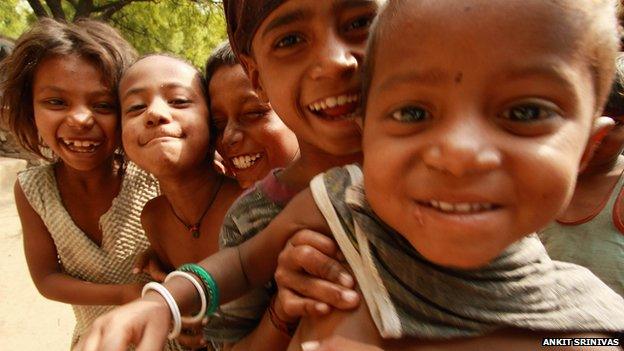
<point x="306" y="56"/>
<point x="74" y="111"/>
<point x="473" y="144"/>
<point x="164" y="115"/>
<point x="251" y="137"/>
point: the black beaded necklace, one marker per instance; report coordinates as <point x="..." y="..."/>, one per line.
<point x="194" y="228"/>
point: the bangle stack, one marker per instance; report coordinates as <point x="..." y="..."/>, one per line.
<point x="209" y="284"/>
<point x="206" y="288"/>
<point x="173" y="306"/>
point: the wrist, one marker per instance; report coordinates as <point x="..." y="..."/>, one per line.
<point x="158" y="303"/>
<point x="280" y="319"/>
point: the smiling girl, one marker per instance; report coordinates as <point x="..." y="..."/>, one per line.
<point x="79" y="214"/>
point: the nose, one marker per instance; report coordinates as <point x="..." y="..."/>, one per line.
<point x="232" y="135"/>
<point x="336" y="58"/>
<point x="80" y="117"/>
<point x="157" y="113"/>
<point x="464" y="149"/>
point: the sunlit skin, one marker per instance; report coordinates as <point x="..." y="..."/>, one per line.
<point x="247" y="126"/>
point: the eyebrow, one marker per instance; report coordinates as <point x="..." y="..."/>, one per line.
<point x="286" y="19"/>
<point x="56" y="89"/>
<point x="349" y="4"/>
<point x="552" y="71"/>
<point x="428" y="77"/>
<point x="139" y="90"/>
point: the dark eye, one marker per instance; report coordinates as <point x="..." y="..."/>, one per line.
<point x="54" y="102"/>
<point x="527" y="113"/>
<point x="104" y="107"/>
<point x="288" y="41"/>
<point x="410" y="114"/>
<point x="360" y="22"/>
<point x="180" y="102"/>
<point x="134" y="108"/>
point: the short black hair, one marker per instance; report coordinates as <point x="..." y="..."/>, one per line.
<point x="223" y="55"/>
<point x="615" y="102"/>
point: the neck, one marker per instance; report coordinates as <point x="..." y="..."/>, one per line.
<point x="313" y="161"/>
<point x="93" y="179"/>
<point x="188" y="192"/>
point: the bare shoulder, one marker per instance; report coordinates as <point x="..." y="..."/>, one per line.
<point x="152" y="214"/>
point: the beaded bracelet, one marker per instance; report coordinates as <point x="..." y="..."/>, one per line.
<point x="200" y="289"/>
<point x="173" y="306"/>
<point x="209" y="283"/>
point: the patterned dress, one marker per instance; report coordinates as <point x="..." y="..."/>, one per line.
<point x="122" y="235"/>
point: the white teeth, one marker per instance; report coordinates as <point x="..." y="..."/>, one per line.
<point x="245" y="161"/>
<point x="333" y="101"/>
<point x="460" y="207"/>
<point x="81" y="145"/>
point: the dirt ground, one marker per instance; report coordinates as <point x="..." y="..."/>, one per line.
<point x="28" y="321"/>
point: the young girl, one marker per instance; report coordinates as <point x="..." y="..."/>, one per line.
<point x="450" y="176"/>
<point x="590" y="232"/>
<point x="250" y="137"/>
<point x="79" y="214"/>
<point x="165" y="129"/>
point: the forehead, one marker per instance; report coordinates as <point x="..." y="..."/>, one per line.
<point x="159" y="69"/>
<point x="503" y="33"/>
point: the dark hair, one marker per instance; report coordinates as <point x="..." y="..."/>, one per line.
<point x="615" y="102"/>
<point x="212" y="145"/>
<point x="95" y="41"/>
<point x="223" y="55"/>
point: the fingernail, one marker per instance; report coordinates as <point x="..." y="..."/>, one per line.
<point x="322" y="307"/>
<point x="135" y="270"/>
<point x="310" y="345"/>
<point x="349" y="295"/>
<point x="346" y="280"/>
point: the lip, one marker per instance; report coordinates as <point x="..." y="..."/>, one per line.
<point x="336" y="107"/>
<point x="80" y="145"/>
<point x="159" y="136"/>
<point x="477" y="220"/>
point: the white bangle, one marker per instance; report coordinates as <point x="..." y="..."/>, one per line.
<point x="202" y="295"/>
<point x="173" y="306"/>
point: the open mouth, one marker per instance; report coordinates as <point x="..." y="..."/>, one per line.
<point x="460" y="207"/>
<point x="336" y="107"/>
<point x="81" y="146"/>
<point x="245" y="161"/>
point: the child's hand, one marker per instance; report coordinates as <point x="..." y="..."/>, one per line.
<point x="310" y="277"/>
<point x="337" y="343"/>
<point x="144" y="323"/>
<point x="192" y="335"/>
<point x="147" y="262"/>
<point x="131" y="292"/>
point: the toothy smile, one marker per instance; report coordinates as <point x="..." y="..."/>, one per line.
<point x="460" y="207"/>
<point x="341" y="106"/>
<point x="245" y="161"/>
<point x="80" y="145"/>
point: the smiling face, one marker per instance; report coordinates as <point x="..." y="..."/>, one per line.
<point x="164" y="115"/>
<point x="251" y="137"/>
<point x="466" y="148"/>
<point x="305" y="60"/>
<point x="78" y="122"/>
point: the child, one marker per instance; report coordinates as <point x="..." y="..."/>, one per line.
<point x="309" y="70"/>
<point x="590" y="232"/>
<point x="165" y="129"/>
<point x="79" y="214"/>
<point x="451" y="146"/>
<point x="250" y="136"/>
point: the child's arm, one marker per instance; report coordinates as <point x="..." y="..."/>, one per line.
<point x="46" y="272"/>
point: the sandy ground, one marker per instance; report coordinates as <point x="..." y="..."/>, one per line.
<point x="28" y="321"/>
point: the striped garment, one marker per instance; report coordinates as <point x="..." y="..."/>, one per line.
<point x="409" y="296"/>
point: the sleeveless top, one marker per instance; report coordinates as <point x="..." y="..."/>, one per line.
<point x="122" y="235"/>
<point x="409" y="296"/>
<point x="596" y="243"/>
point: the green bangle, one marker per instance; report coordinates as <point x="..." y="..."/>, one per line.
<point x="209" y="282"/>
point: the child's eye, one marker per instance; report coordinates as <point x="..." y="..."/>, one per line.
<point x="54" y="102"/>
<point x="360" y="22"/>
<point x="134" y="108"/>
<point x="410" y="114"/>
<point x="104" y="107"/>
<point x="288" y="41"/>
<point x="527" y="113"/>
<point x="180" y="102"/>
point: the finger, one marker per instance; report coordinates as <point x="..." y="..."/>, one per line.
<point x="90" y="341"/>
<point x="114" y="339"/>
<point x="319" y="290"/>
<point x="141" y="262"/>
<point x="153" y="338"/>
<point x="155" y="271"/>
<point x="297" y="306"/>
<point x="319" y="241"/>
<point x="191" y="341"/>
<point x="320" y="265"/>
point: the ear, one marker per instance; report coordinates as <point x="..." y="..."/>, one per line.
<point x="601" y="127"/>
<point x="251" y="68"/>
